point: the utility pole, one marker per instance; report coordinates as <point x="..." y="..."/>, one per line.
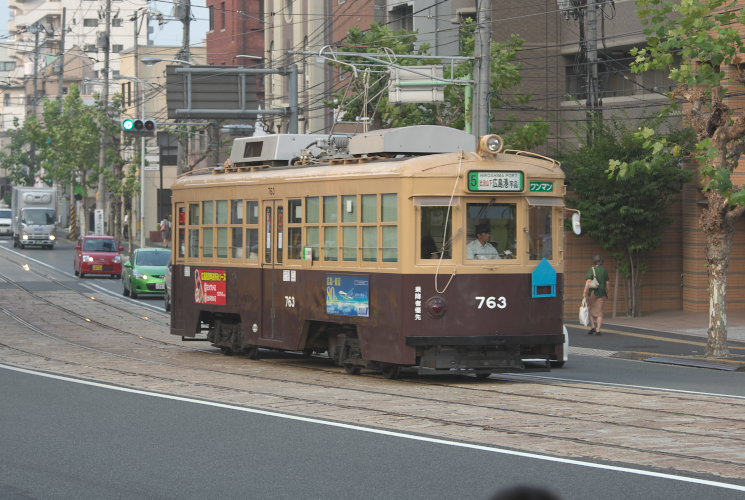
<point x="63" y="28"/>
<point x="593" y="102"/>
<point x="101" y="197"/>
<point x="184" y="13"/>
<point x="140" y="105"/>
<point x="482" y="69"/>
<point x="35" y="29"/>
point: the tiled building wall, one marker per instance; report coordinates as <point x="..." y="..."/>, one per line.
<point x="676" y="278"/>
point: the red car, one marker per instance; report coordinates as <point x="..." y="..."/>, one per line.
<point x="98" y="255"/>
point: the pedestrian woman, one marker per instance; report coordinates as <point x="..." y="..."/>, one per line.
<point x="596" y="292"/>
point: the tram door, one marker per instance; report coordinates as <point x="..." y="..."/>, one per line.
<point x="271" y="264"/>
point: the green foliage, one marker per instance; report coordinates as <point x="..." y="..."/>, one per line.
<point x="367" y="93"/>
<point x="72" y="136"/>
<point x="624" y="205"/>
<point x="695" y="42"/>
<point x="21" y="160"/>
<point x="64" y="144"/>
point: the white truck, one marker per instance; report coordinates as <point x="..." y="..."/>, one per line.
<point x="34" y="212"/>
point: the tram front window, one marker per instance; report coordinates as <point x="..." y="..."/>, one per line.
<point x="436" y="228"/>
<point x="491" y="232"/>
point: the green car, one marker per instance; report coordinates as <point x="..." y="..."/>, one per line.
<point x="145" y="272"/>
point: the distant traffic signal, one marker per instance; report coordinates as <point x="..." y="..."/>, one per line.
<point x="138" y="126"/>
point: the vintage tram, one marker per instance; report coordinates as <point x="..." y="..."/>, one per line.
<point x="417" y="247"/>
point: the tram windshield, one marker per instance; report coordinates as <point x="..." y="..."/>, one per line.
<point x="436" y="232"/>
<point x="490" y="230"/>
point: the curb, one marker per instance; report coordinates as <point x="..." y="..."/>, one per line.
<point x="727" y="364"/>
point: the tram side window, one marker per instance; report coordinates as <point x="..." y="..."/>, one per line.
<point x="389" y="218"/>
<point x="539" y="232"/>
<point x="193" y="242"/>
<point x="369" y="233"/>
<point x="208" y="218"/>
<point x="330" y="233"/>
<point x="236" y="219"/>
<point x="294" y="233"/>
<point x="491" y="231"/>
<point x="437" y="233"/>
<point x="222" y="232"/>
<point x="194" y="220"/>
<point x="207" y="242"/>
<point x="349" y="229"/>
<point x="181" y="231"/>
<point x="312" y="216"/>
<point x="252" y="231"/>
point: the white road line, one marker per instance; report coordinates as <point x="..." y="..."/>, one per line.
<point x="402" y="435"/>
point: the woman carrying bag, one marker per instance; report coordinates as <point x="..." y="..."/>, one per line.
<point x="596" y="293"/>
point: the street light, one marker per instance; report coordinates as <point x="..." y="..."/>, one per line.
<point x="149" y="61"/>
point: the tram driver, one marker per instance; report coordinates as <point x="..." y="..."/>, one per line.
<point x="481" y="248"/>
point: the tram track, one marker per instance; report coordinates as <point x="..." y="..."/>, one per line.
<point x="608" y="423"/>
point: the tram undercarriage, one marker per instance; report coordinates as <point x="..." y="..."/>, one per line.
<point x="479" y="356"/>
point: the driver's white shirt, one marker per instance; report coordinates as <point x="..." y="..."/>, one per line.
<point x="475" y="250"/>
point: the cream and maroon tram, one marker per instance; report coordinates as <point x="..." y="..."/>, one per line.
<point x="413" y="247"/>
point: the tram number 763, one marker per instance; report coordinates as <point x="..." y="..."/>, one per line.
<point x="491" y="302"/>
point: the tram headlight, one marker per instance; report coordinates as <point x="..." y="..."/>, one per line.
<point x="490" y="144"/>
<point x="435" y="307"/>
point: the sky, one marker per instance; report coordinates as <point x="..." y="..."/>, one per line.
<point x="169" y="34"/>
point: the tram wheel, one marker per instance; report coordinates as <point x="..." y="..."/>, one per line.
<point x="557" y="364"/>
<point x="483" y="375"/>
<point x="226" y="350"/>
<point x="252" y="352"/>
<point x="307" y="352"/>
<point x="352" y="369"/>
<point x="391" y="371"/>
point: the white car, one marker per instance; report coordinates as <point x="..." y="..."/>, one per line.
<point x="6" y="217"/>
<point x="167" y="294"/>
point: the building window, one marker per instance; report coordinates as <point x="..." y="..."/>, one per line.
<point x="91" y="47"/>
<point x="615" y="78"/>
<point x="117" y="23"/>
<point x="116" y="48"/>
<point x="222" y="15"/>
<point x="90" y="22"/>
<point x="401" y="17"/>
<point x="211" y="12"/>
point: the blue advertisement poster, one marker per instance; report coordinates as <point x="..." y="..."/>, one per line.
<point x="348" y="295"/>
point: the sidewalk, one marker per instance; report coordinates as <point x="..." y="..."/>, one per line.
<point x="688" y="323"/>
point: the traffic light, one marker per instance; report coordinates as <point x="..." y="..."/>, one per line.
<point x="138" y="126"/>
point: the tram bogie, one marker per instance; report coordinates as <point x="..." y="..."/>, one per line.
<point x="408" y="249"/>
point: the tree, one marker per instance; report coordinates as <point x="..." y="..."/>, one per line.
<point x="71" y="150"/>
<point x="20" y="159"/>
<point x="626" y="215"/>
<point x="366" y="95"/>
<point x="700" y="44"/>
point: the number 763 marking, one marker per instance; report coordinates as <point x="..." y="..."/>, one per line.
<point x="491" y="302"/>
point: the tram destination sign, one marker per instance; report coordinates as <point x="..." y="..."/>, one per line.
<point x="488" y="180"/>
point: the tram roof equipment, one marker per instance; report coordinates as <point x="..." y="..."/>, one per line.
<point x="286" y="149"/>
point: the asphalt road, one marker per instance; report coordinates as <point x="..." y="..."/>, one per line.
<point x="66" y="439"/>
